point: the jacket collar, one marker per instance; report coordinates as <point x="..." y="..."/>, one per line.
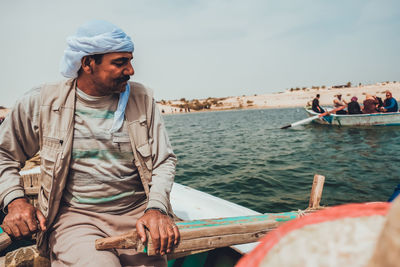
<point x="67" y="95"/>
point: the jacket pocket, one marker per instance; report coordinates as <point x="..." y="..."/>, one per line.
<point x="139" y="131"/>
<point x="49" y="153"/>
<point x="145" y="151"/>
<point x="122" y="142"/>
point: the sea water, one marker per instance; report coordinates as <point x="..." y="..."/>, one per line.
<point x="243" y="156"/>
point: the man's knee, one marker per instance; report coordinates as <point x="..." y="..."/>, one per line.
<point x="82" y="257"/>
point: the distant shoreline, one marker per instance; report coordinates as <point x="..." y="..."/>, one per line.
<point x="288" y="99"/>
<point x="232" y="109"/>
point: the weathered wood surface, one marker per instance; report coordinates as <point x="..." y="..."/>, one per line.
<point x="207" y="234"/>
<point x="316" y="191"/>
<point x="25" y="257"/>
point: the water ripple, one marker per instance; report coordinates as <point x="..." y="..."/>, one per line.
<point x="244" y="156"/>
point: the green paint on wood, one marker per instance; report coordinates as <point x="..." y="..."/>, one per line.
<point x="279" y="217"/>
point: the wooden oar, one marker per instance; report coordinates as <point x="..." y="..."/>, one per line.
<point x="206" y="234"/>
<point x="313" y="118"/>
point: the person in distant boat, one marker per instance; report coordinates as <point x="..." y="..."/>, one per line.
<point x="339" y="102"/>
<point x="370" y="103"/>
<point x="315" y="105"/>
<point x="390" y="103"/>
<point x="107" y="166"/>
<point x="353" y="107"/>
<point x="380" y="104"/>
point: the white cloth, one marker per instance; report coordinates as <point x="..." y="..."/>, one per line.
<point x="94" y="37"/>
<point x="119" y="114"/>
<point x="97" y="37"/>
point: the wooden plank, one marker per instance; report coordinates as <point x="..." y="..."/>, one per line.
<point x="207" y="234"/>
<point x="191" y="204"/>
<point x="316" y="191"/>
<point x="215" y="241"/>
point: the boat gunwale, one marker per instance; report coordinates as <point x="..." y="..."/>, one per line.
<point x="387" y="121"/>
<point x="355" y="115"/>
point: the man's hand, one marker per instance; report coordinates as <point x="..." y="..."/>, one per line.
<point x="163" y="231"/>
<point x="23" y="219"/>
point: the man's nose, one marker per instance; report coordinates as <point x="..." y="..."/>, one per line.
<point x="129" y="70"/>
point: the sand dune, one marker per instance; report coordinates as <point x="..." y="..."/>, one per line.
<point x="295" y="98"/>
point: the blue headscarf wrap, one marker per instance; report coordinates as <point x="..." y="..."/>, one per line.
<point x="97" y="37"/>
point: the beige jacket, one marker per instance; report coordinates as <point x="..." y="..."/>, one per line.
<point x="44" y="120"/>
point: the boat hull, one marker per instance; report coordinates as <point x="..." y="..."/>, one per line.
<point x="375" y="119"/>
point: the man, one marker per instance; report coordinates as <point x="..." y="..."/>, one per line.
<point x="353" y="107"/>
<point x="370" y="104"/>
<point x="338" y="102"/>
<point x="315" y="105"/>
<point x="106" y="162"/>
<point x="390" y="103"/>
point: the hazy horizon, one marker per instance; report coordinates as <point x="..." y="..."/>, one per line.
<point x="199" y="49"/>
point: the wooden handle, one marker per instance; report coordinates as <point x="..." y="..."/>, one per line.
<point x="128" y="240"/>
<point x="207" y="234"/>
<point x="5" y="240"/>
<point x="316" y="191"/>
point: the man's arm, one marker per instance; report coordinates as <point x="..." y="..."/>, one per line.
<point x="336" y="102"/>
<point x="164" y="163"/>
<point x="391" y="104"/>
<point x="162" y="229"/>
<point x="19" y="141"/>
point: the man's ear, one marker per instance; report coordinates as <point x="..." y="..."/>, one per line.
<point x="87" y="64"/>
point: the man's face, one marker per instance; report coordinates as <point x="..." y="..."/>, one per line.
<point x="113" y="73"/>
<point x="388" y="94"/>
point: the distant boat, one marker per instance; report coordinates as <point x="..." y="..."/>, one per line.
<point x="374" y="119"/>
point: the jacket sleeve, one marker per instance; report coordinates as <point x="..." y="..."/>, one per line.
<point x="19" y="141"/>
<point x="391" y="104"/>
<point x="164" y="162"/>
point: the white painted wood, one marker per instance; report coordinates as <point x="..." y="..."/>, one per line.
<point x="192" y="204"/>
<point x="375" y="119"/>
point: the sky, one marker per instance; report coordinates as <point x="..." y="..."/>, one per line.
<point x="198" y="49"/>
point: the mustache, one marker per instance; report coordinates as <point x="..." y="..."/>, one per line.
<point x="123" y="79"/>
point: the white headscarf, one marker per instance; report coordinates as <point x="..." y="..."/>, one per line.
<point x="97" y="37"/>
